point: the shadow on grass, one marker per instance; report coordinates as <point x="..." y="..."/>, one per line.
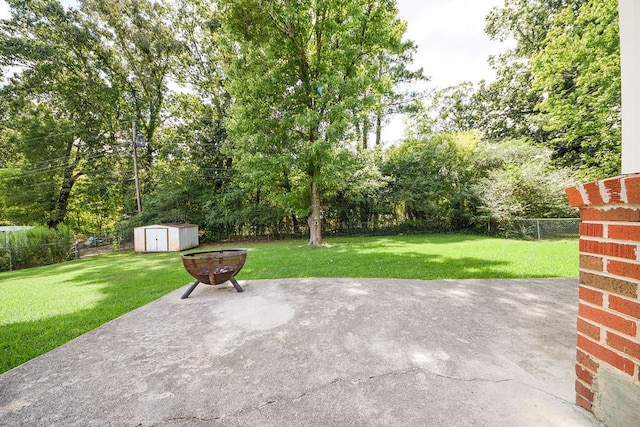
<point x="408" y="257"/>
<point x="431" y="239"/>
<point x="124" y="282"/>
<point x="407" y="265"/>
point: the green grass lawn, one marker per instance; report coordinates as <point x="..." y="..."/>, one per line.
<point x="42" y="308"/>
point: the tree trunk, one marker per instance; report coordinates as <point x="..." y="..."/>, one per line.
<point x="296" y="226"/>
<point x="378" y="128"/>
<point x="315" y="219"/>
<point x="286" y="184"/>
<point x="60" y="211"/>
<point x="358" y="132"/>
<point x="365" y="133"/>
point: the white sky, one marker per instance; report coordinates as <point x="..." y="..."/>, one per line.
<point x="452" y="45"/>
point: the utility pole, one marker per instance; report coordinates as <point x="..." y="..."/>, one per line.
<point x="135" y="164"/>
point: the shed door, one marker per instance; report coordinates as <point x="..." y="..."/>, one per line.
<point x="157" y="239"/>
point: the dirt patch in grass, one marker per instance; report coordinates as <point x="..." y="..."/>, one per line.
<point x="102" y="250"/>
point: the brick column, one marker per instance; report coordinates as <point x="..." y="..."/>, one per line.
<point x="608" y="344"/>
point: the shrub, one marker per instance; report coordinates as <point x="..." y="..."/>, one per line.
<point x="37" y="246"/>
<point x="519" y="180"/>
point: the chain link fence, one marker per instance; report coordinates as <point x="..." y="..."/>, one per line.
<point x="544" y="228"/>
<point x="104" y="244"/>
<point x="17" y="257"/>
<point x="25" y="247"/>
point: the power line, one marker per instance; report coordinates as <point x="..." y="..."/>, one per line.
<point x="73" y="131"/>
<point x="50" y="160"/>
<point x="49" y="169"/>
<point x="54" y="160"/>
<point x="49" y="183"/>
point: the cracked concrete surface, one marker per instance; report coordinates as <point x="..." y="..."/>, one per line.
<point x="328" y="352"/>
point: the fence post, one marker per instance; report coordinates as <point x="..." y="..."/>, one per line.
<point x="538" y="226"/>
<point x="6" y="245"/>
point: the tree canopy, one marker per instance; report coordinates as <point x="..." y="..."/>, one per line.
<point x="303" y="70"/>
<point x="560" y="84"/>
<point x="265" y="117"/>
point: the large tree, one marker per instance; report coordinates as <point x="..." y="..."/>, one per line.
<point x="560" y="84"/>
<point x="395" y="69"/>
<point x="453" y="109"/>
<point x="301" y="70"/>
<point x="578" y="70"/>
<point x="55" y="117"/>
<point x="509" y="103"/>
<point x="82" y="77"/>
<point x="144" y="52"/>
<point x="430" y="176"/>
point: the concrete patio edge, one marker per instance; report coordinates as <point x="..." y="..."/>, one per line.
<point x="329" y="351"/>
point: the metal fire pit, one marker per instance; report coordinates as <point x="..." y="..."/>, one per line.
<point x="214" y="267"/>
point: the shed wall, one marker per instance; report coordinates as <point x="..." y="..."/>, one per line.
<point x="188" y="238"/>
<point x="179" y="238"/>
<point x="139" y="243"/>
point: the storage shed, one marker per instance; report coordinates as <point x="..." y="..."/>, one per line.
<point x="165" y="238"/>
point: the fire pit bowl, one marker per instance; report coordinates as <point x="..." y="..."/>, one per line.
<point x="214" y="267"/>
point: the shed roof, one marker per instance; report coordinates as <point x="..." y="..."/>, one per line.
<point x="171" y="225"/>
<point x="10" y="228"/>
<point x="180" y="225"/>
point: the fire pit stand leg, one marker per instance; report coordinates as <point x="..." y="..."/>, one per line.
<point x="191" y="288"/>
<point x="236" y="285"/>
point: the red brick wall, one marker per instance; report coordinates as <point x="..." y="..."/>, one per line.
<point x="609" y="309"/>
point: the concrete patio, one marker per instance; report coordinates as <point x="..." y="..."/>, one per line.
<point x="329" y="352"/>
